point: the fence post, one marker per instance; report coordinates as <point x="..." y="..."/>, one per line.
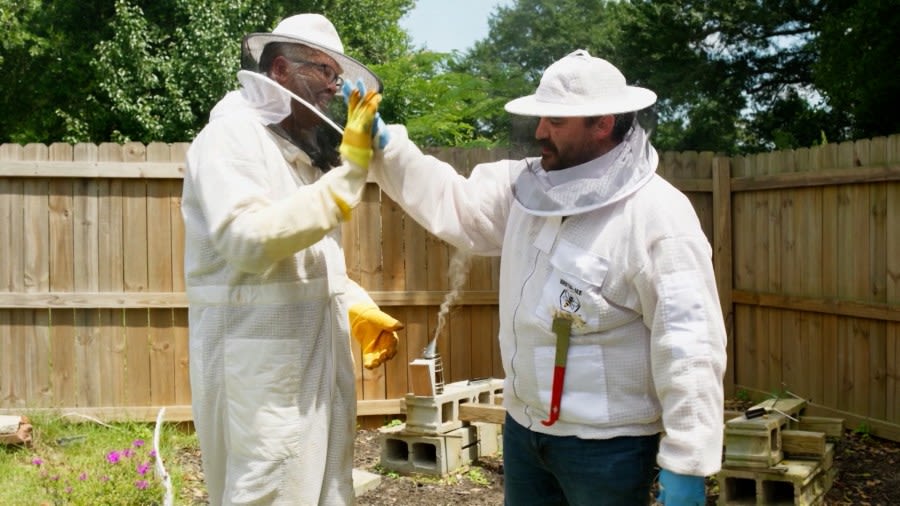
<point x="723" y="255"/>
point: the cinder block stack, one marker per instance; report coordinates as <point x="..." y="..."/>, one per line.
<point x="434" y="441"/>
<point x="780" y="458"/>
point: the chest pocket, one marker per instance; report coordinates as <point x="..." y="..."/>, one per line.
<point x="574" y="285"/>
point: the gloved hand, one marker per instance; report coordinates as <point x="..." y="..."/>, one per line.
<point x="356" y="148"/>
<point x="376" y="332"/>
<point x="362" y="106"/>
<point x="379" y="129"/>
<point x="681" y="490"/>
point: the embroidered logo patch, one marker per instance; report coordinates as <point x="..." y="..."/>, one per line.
<point x="568" y="301"/>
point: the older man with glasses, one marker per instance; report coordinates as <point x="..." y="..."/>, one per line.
<point x="270" y="303"/>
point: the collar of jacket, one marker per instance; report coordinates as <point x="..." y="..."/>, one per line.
<point x="600" y="182"/>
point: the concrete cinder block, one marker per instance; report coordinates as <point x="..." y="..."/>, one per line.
<point x="791" y="482"/>
<point x="440" y="413"/>
<point x="754" y="442"/>
<point x="437" y="455"/>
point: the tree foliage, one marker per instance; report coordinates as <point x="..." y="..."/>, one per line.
<point x="731" y="75"/>
<point x="92" y="70"/>
<point x="439" y="106"/>
<point x="523" y="40"/>
<point x="858" y="65"/>
<point x="744" y="75"/>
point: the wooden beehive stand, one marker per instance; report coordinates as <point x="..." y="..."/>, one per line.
<point x="780" y="458"/>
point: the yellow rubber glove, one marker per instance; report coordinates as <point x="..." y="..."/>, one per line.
<point x="375" y="330"/>
<point x="356" y="145"/>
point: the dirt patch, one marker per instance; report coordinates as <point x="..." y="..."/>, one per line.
<point x="868" y="475"/>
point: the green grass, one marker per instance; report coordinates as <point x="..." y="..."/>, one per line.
<point x="90" y="463"/>
<point x="476" y="476"/>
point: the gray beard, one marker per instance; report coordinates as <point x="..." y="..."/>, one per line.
<point x="321" y="145"/>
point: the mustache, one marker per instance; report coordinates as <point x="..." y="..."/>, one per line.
<point x="322" y="148"/>
<point x="546" y="144"/>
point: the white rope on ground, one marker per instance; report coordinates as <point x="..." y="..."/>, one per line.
<point x="86" y="417"/>
<point x="160" y="469"/>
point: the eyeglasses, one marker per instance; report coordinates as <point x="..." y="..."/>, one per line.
<point x="328" y="71"/>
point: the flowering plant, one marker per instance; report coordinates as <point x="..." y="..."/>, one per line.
<point x="118" y="477"/>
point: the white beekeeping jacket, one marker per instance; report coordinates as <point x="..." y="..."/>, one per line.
<point x="272" y="372"/>
<point x="620" y="249"/>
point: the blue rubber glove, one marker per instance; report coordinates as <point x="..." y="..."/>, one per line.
<point x="380" y="135"/>
<point x="681" y="490"/>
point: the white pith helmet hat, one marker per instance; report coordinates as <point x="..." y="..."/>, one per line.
<point x="317" y="32"/>
<point x="581" y="85"/>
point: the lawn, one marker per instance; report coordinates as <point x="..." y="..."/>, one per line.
<point x="75" y="461"/>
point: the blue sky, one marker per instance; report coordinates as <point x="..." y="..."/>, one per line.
<point x="447" y="25"/>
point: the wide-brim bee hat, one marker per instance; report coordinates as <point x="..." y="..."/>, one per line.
<point x="313" y="30"/>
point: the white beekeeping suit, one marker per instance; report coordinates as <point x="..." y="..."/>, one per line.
<point x="272" y="373"/>
<point x="597" y="239"/>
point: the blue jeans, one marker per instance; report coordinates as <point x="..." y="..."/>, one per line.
<point x="539" y="469"/>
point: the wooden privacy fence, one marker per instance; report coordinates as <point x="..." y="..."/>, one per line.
<point x="93" y="316"/>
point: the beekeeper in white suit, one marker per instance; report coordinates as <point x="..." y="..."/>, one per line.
<point x="611" y="334"/>
<point x="272" y="373"/>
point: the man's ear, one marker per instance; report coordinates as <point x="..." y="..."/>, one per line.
<point x="603" y="126"/>
<point x="280" y="69"/>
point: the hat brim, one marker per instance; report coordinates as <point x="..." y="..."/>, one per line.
<point x="632" y="98"/>
<point x="352" y="70"/>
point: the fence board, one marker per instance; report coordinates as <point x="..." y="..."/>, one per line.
<point x="159" y="279"/>
<point x="761" y="247"/>
<point x="481" y="277"/>
<point x="394" y="279"/>
<point x="371" y="274"/>
<point x="772" y="164"/>
<point x="85" y="215"/>
<point x="62" y="279"/>
<point x="11" y="268"/>
<point x="744" y="265"/>
<point x="415" y="271"/>
<point x="892" y="287"/>
<point x="876" y="153"/>
<point x="110" y="273"/>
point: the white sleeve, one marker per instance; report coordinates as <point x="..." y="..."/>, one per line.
<point x="681" y="308"/>
<point x="469" y="213"/>
<point x="228" y="172"/>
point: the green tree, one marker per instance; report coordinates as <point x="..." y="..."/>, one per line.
<point x="439" y="106"/>
<point x="96" y="70"/>
<point x="45" y="63"/>
<point x="751" y="75"/>
<point x="523" y="40"/>
<point x="858" y="65"/>
<point x="168" y="65"/>
<point x="715" y="62"/>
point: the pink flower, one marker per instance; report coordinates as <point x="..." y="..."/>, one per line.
<point x="138" y="443"/>
<point x="113" y="457"/>
<point x="141" y="484"/>
<point x="82" y="476"/>
<point x="142" y="469"/>
<point x="36" y="461"/>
